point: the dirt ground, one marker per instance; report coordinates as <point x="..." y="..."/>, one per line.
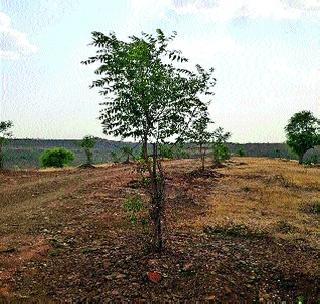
<point x="247" y="232"/>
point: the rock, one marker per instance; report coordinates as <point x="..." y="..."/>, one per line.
<point x="154" y="276"/>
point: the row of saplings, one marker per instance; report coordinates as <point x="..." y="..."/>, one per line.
<point x="59" y="157"/>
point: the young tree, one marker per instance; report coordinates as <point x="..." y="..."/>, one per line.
<point x="219" y="148"/>
<point x="127" y="151"/>
<point x="303" y="133"/>
<point x="5" y="133"/>
<point x="149" y="99"/>
<point x="200" y="135"/>
<point x="87" y="143"/>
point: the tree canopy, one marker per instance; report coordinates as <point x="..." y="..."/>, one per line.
<point x="148" y="97"/>
<point x="5" y="133"/>
<point x="303" y="133"/>
<point x="88" y="141"/>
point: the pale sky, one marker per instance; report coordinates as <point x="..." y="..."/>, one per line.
<point x="265" y="52"/>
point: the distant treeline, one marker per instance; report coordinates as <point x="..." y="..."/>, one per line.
<point x="25" y="153"/>
<point x="276" y="150"/>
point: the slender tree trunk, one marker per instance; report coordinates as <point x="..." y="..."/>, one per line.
<point x="157" y="204"/>
<point x="89" y="156"/>
<point x="157" y="195"/>
<point x="145" y="149"/>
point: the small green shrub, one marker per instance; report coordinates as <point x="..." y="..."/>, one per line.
<point x="145" y="181"/>
<point x="220" y="153"/>
<point x="56" y="157"/>
<point x="135" y="208"/>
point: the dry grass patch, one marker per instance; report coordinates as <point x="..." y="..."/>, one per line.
<point x="268" y="196"/>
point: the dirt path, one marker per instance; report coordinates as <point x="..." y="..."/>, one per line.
<point x="29" y="195"/>
<point x="26" y="205"/>
<point x="64" y="236"/>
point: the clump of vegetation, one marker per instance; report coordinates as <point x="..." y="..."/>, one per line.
<point x="54" y="252"/>
<point x="246" y="189"/>
<point x="56" y="247"/>
<point x="165" y="151"/>
<point x="5" y="133"/>
<point x="283" y="181"/>
<point x="88" y="250"/>
<point x="220" y="150"/>
<point x="134" y="206"/>
<point x="303" y="133"/>
<point x="179" y="152"/>
<point x="285" y="227"/>
<point x="115" y="156"/>
<point x="56" y="157"/>
<point x="312" y="160"/>
<point x="220" y="153"/>
<point x="87" y="143"/>
<point x="241" y="152"/>
<point x="312" y="207"/>
<point x="235" y="230"/>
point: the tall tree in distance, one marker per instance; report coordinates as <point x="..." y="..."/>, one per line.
<point x="5" y="133"/>
<point x="87" y="143"/>
<point x="149" y="99"/>
<point x="303" y="133"/>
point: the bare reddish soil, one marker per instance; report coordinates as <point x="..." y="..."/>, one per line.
<point x="65" y="237"/>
